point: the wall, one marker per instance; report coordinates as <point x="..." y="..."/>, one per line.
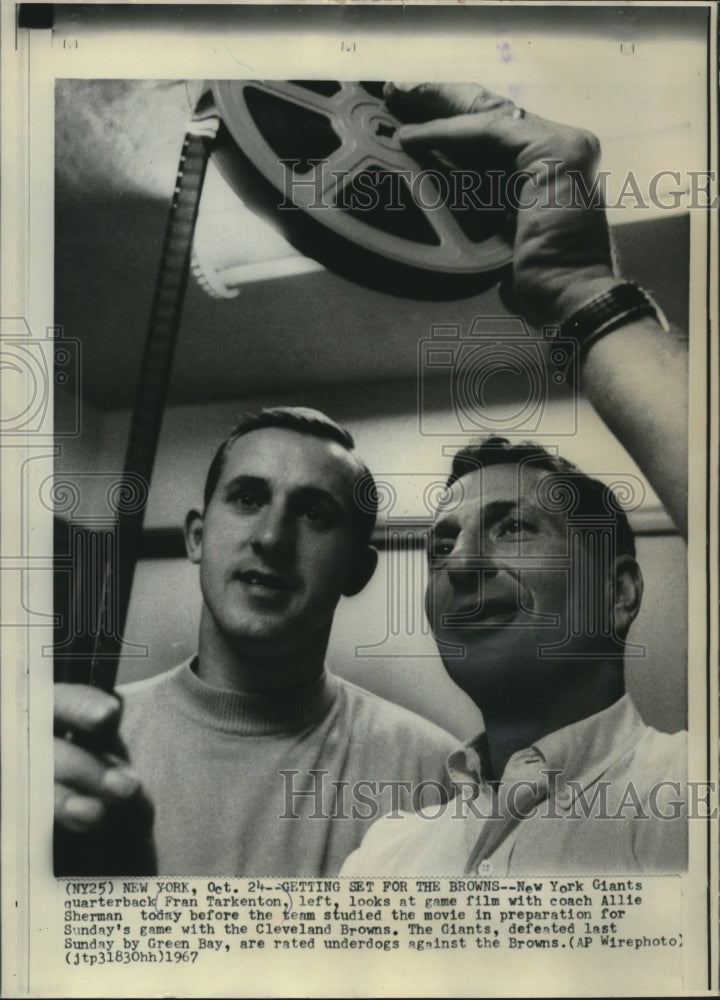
<point x="397" y="444"/>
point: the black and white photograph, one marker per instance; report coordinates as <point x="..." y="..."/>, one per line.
<point x="361" y="458"/>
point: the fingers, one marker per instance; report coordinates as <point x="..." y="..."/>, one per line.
<point x="103" y="818"/>
<point x="419" y="102"/>
<point x="483" y="139"/>
<point x="88" y="784"/>
<point x="475" y="125"/>
<point x="101" y="776"/>
<point x="88" y="778"/>
<point x="549" y="183"/>
<point x="83" y="709"/>
<point x="469" y="132"/>
<point x="77" y="813"/>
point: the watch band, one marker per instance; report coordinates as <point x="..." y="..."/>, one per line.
<point x="609" y="310"/>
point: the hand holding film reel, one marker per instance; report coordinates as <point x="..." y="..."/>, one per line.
<point x="323" y="163"/>
<point x="429" y="191"/>
<point x="563" y="269"/>
<point x="562" y="252"/>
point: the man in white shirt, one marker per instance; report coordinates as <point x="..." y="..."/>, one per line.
<point x="533" y="579"/>
<point x="533" y="587"/>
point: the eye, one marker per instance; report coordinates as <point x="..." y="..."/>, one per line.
<point x="246" y="499"/>
<point x="511" y="526"/>
<point x="442" y="546"/>
<point x="317" y="515"/>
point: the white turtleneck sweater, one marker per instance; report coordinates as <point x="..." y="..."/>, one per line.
<point x="211" y="761"/>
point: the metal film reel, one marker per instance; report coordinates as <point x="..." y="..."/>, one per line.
<point x="321" y="161"/>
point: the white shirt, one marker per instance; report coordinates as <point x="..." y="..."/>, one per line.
<point x="604" y="795"/>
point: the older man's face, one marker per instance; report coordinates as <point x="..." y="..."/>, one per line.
<point x="500" y="582"/>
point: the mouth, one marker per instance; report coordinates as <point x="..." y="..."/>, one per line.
<point x="261" y="582"/>
<point x="492" y="614"/>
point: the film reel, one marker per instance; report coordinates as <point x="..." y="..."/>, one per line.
<point x="321" y="161"/>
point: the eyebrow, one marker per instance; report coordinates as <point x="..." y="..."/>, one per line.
<point x="490" y="514"/>
<point x="246" y="482"/>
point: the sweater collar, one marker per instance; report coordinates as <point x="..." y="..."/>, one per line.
<point x="257" y="713"/>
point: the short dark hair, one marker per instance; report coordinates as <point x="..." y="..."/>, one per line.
<point x="303" y="420"/>
<point x="593" y="497"/>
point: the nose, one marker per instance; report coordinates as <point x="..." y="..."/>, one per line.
<point x="468" y="575"/>
<point x="273" y="535"/>
<point x="470" y="563"/>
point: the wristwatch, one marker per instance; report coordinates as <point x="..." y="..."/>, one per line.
<point x="609" y="310"/>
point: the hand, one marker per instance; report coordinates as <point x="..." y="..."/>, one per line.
<point x="635" y="377"/>
<point x="103" y="819"/>
<point x="562" y="252"/>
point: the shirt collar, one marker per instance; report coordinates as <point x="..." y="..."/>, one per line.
<point x="581" y="752"/>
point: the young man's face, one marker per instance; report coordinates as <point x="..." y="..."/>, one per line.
<point x="277" y="545"/>
<point x="500" y="583"/>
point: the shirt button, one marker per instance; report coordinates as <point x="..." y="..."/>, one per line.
<point x="564" y="798"/>
<point x="485" y="868"/>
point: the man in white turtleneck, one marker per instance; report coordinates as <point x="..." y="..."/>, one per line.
<point x="252" y="757"/>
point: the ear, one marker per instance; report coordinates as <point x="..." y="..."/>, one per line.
<point x="626" y="594"/>
<point x="193" y="535"/>
<point x="361" y="571"/>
